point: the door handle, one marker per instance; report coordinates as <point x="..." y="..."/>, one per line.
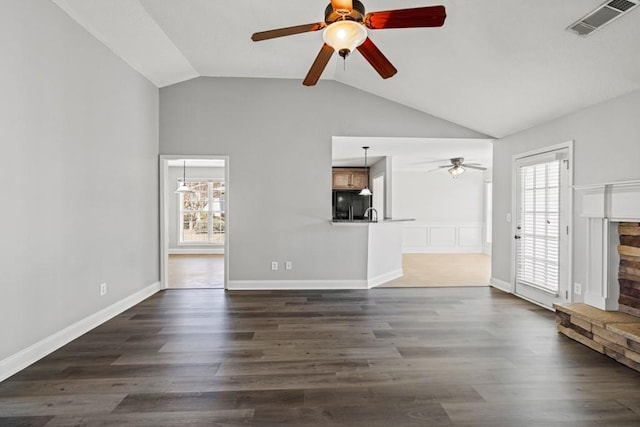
<point x="517" y="237"/>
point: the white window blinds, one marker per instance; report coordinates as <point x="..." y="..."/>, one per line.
<point x="539" y="226"/>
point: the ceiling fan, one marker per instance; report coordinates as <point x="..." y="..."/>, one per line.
<point x="345" y="29"/>
<point x="458" y="166"/>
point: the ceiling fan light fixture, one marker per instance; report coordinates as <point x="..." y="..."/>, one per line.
<point x="456" y="170"/>
<point x="344" y="36"/>
<point x="342" y="6"/>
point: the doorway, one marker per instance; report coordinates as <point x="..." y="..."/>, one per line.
<point x="194" y="234"/>
<point x="541" y="228"/>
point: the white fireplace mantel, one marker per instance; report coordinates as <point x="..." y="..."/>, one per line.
<point x="604" y="205"/>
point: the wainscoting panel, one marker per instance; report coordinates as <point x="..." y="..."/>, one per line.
<point x="470" y="236"/>
<point x="442" y="238"/>
<point x="415" y="237"/>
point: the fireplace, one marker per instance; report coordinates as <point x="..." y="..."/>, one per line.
<point x="606" y="207"/>
<point x="609" y="319"/>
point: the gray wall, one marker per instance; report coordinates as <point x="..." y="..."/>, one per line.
<point x="278" y="136"/>
<point x="606" y="149"/>
<point x="79" y="144"/>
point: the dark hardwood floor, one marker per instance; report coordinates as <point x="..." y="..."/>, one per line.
<point x="384" y="357"/>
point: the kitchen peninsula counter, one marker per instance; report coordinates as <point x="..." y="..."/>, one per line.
<point x="364" y="221"/>
<point x="383" y="248"/>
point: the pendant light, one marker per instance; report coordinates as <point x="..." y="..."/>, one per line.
<point x="365" y="191"/>
<point x="182" y="189"/>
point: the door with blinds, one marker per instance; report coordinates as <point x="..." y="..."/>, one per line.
<point x="541" y="227"/>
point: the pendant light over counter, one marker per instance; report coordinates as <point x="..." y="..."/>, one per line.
<point x="365" y="191"/>
<point x="183" y="188"/>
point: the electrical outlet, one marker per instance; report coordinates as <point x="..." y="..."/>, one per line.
<point x="577" y="288"/>
<point x="103" y="289"/>
<point x="274" y="265"/>
<point x="288" y="265"/>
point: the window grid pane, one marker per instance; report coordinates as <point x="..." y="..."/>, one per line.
<point x="202" y="216"/>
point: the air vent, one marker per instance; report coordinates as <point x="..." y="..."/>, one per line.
<point x="621" y="5"/>
<point x="602" y="16"/>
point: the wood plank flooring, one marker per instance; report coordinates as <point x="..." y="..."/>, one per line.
<point x="383" y="357"/>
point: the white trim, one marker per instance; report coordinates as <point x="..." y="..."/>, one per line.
<point x="37" y="351"/>
<point x="501" y="285"/>
<point x="603" y="206"/>
<point x="164" y="213"/>
<point x="254" y="285"/>
<point x="209" y="250"/>
<point x="384" y="278"/>
<point x="568" y="217"/>
<point x="632" y="183"/>
<point x="428" y="245"/>
<point x="532" y="301"/>
<point x="444" y="250"/>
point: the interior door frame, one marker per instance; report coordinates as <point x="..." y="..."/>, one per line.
<point x="165" y="186"/>
<point x="568" y="215"/>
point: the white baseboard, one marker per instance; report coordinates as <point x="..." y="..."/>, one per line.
<point x="384" y="278"/>
<point x="442" y="250"/>
<point x="257" y="285"/>
<point x="37" y="351"/>
<point x="500" y="284"/>
<point x="209" y="250"/>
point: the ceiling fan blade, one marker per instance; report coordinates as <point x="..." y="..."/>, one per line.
<point x="429" y="16"/>
<point x="377" y="59"/>
<point x="474" y="167"/>
<point x="342" y="5"/>
<point x="287" y="31"/>
<point x="318" y="65"/>
<point x="429" y="161"/>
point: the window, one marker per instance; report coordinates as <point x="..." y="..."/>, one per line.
<point x="202" y="215"/>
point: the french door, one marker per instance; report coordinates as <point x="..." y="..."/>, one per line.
<point x="542" y="227"/>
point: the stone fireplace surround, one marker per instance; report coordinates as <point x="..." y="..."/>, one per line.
<point x="601" y="323"/>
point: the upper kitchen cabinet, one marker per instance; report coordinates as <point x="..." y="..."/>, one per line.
<point x="349" y="178"/>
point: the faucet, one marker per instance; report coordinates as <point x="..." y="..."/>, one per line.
<point x="372" y="218"/>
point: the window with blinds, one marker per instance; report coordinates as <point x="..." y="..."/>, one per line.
<point x="539" y="226"/>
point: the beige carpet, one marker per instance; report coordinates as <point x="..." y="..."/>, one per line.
<point x="436" y="270"/>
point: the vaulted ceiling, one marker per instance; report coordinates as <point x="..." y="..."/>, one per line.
<point x="496" y="66"/>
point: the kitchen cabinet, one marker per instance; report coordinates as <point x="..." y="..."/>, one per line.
<point x="349" y="178"/>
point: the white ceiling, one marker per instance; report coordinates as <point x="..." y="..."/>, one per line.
<point x="416" y="154"/>
<point x="497" y="66"/>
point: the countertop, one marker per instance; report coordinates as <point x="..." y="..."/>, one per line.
<point x="366" y="221"/>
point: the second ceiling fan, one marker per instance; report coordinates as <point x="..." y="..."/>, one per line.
<point x="345" y="29"/>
